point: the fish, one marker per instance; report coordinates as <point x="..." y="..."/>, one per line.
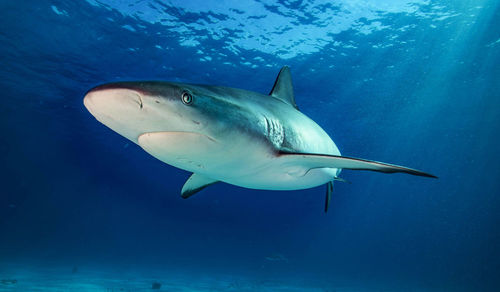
<point x="223" y="134"/>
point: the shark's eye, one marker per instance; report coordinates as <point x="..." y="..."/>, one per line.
<point x="187" y="98"/>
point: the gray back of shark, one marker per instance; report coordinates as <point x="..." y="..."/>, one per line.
<point x="230" y="135"/>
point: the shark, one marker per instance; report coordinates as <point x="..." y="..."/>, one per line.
<point x="230" y="135"/>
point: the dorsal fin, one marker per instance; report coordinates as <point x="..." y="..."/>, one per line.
<point x="283" y="88"/>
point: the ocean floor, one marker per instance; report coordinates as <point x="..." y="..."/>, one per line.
<point x="27" y="278"/>
<point x="81" y="279"/>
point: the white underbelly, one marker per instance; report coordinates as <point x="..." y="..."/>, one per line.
<point x="243" y="162"/>
<point x="258" y="167"/>
<point x="276" y="179"/>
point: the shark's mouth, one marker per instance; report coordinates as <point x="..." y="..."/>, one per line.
<point x="171" y="144"/>
<point x="187" y="150"/>
<point x="171" y="136"/>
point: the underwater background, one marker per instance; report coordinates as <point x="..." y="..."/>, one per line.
<point x="410" y="82"/>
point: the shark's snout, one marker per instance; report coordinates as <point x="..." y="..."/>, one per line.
<point x="118" y="107"/>
<point x="105" y="100"/>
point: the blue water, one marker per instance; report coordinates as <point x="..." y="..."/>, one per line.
<point x="411" y="82"/>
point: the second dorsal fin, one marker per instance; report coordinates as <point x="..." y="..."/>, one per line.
<point x="283" y="88"/>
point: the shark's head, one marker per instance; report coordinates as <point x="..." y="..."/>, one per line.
<point x="135" y="108"/>
<point x="172" y="121"/>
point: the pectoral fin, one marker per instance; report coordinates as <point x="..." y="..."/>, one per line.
<point x="195" y="183"/>
<point x="312" y="161"/>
